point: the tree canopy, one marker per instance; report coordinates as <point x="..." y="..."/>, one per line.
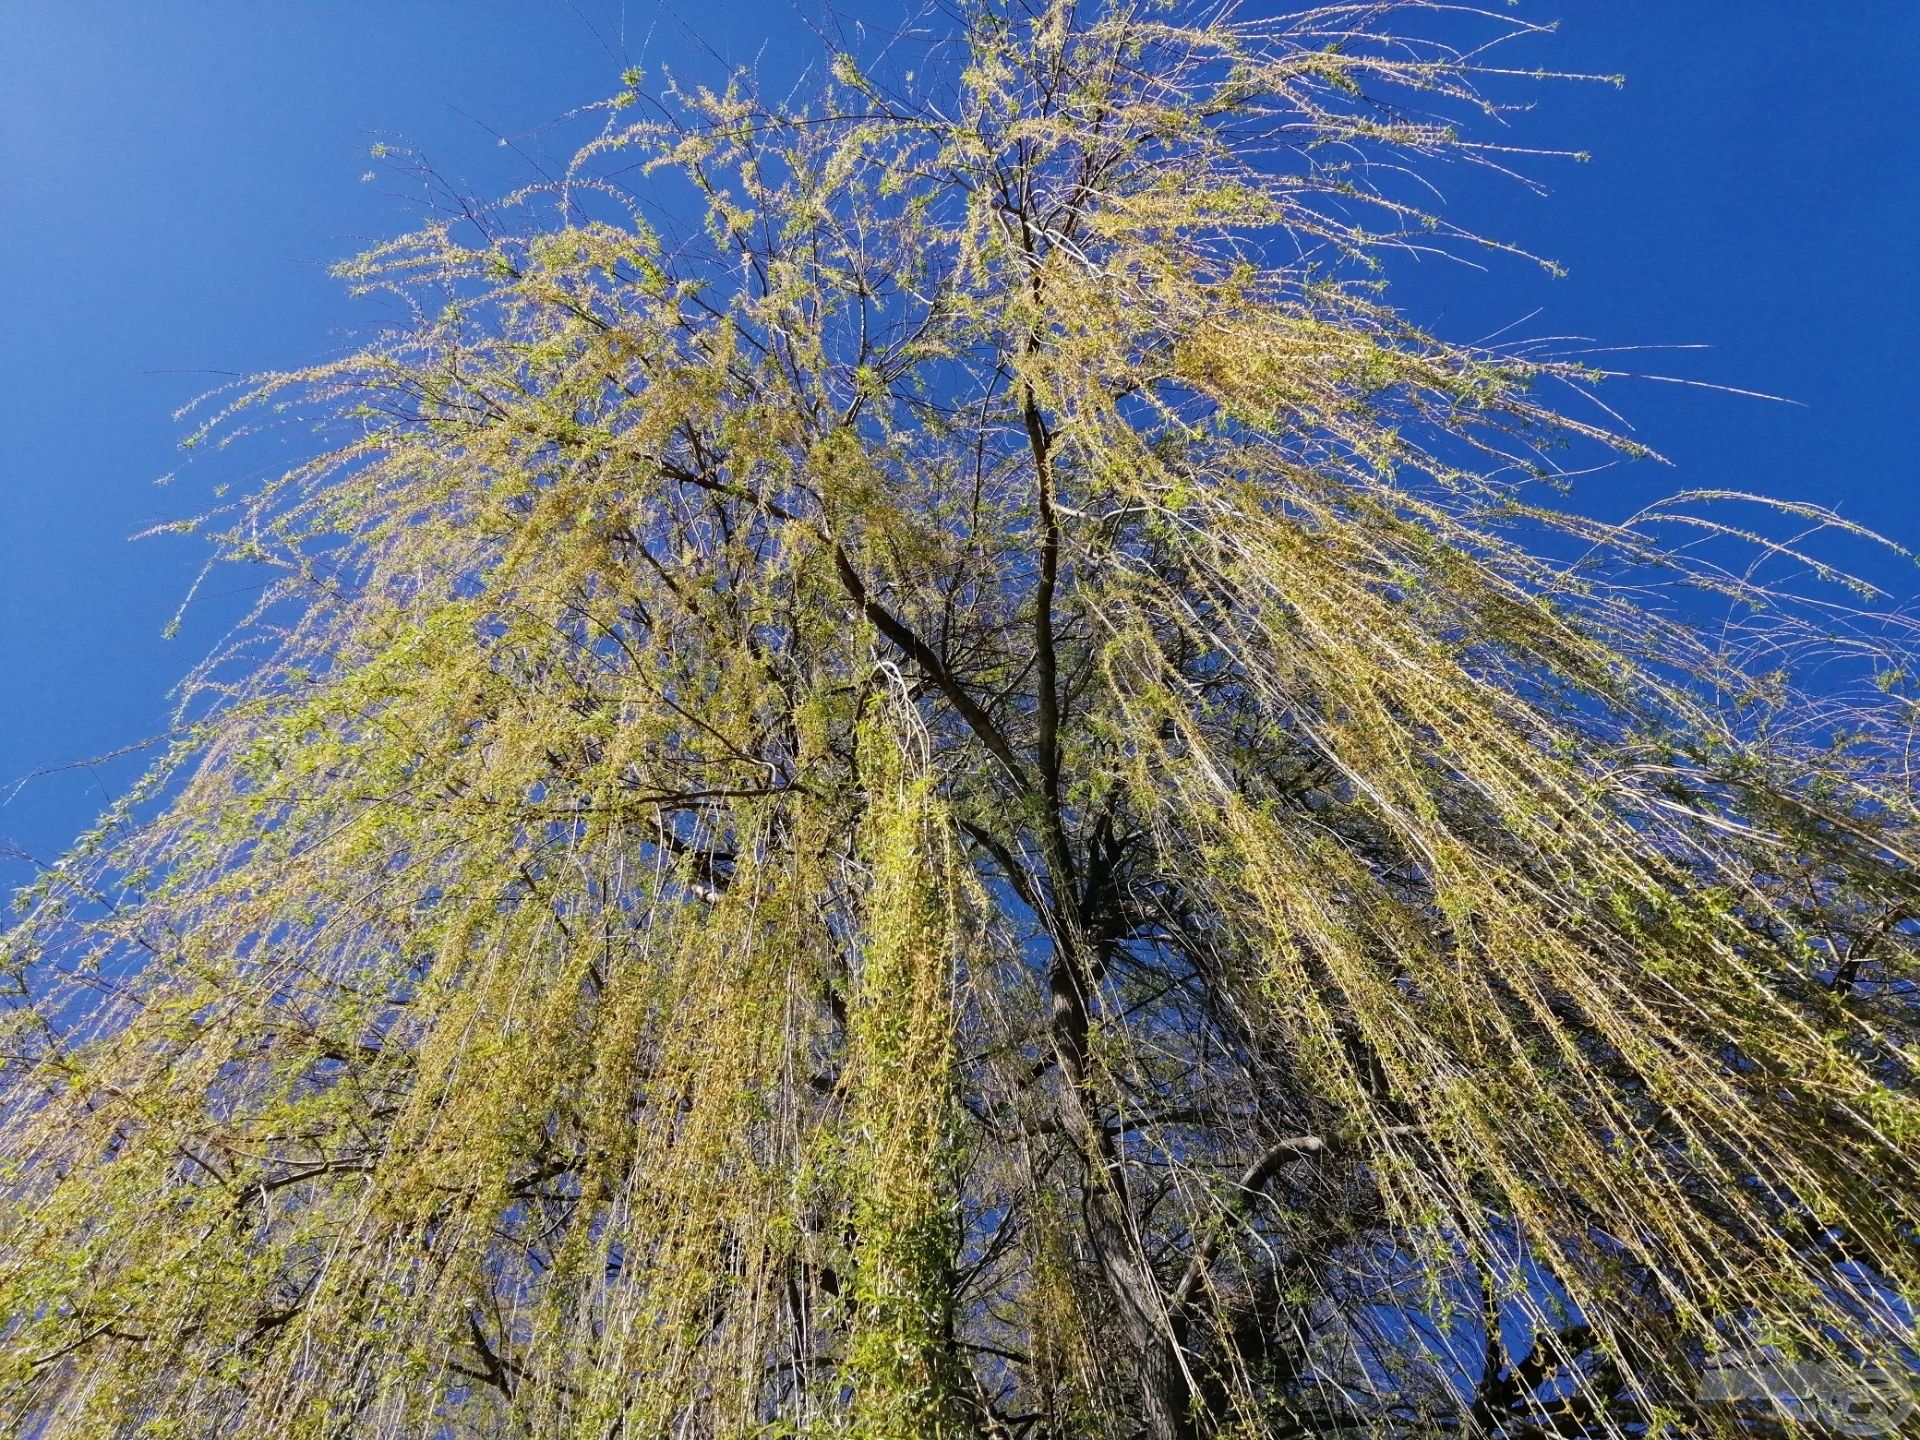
<point x="977" y="794"/>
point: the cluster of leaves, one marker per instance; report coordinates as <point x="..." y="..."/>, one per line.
<point x="979" y="797"/>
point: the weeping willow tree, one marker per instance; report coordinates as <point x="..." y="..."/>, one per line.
<point x="980" y="796"/>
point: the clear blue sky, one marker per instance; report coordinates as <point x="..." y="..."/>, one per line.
<point x="175" y="176"/>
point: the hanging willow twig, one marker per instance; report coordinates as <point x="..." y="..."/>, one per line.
<point x="981" y="798"/>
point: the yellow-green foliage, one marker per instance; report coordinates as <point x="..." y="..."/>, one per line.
<point x="900" y="1113"/>
<point x="980" y="796"/>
